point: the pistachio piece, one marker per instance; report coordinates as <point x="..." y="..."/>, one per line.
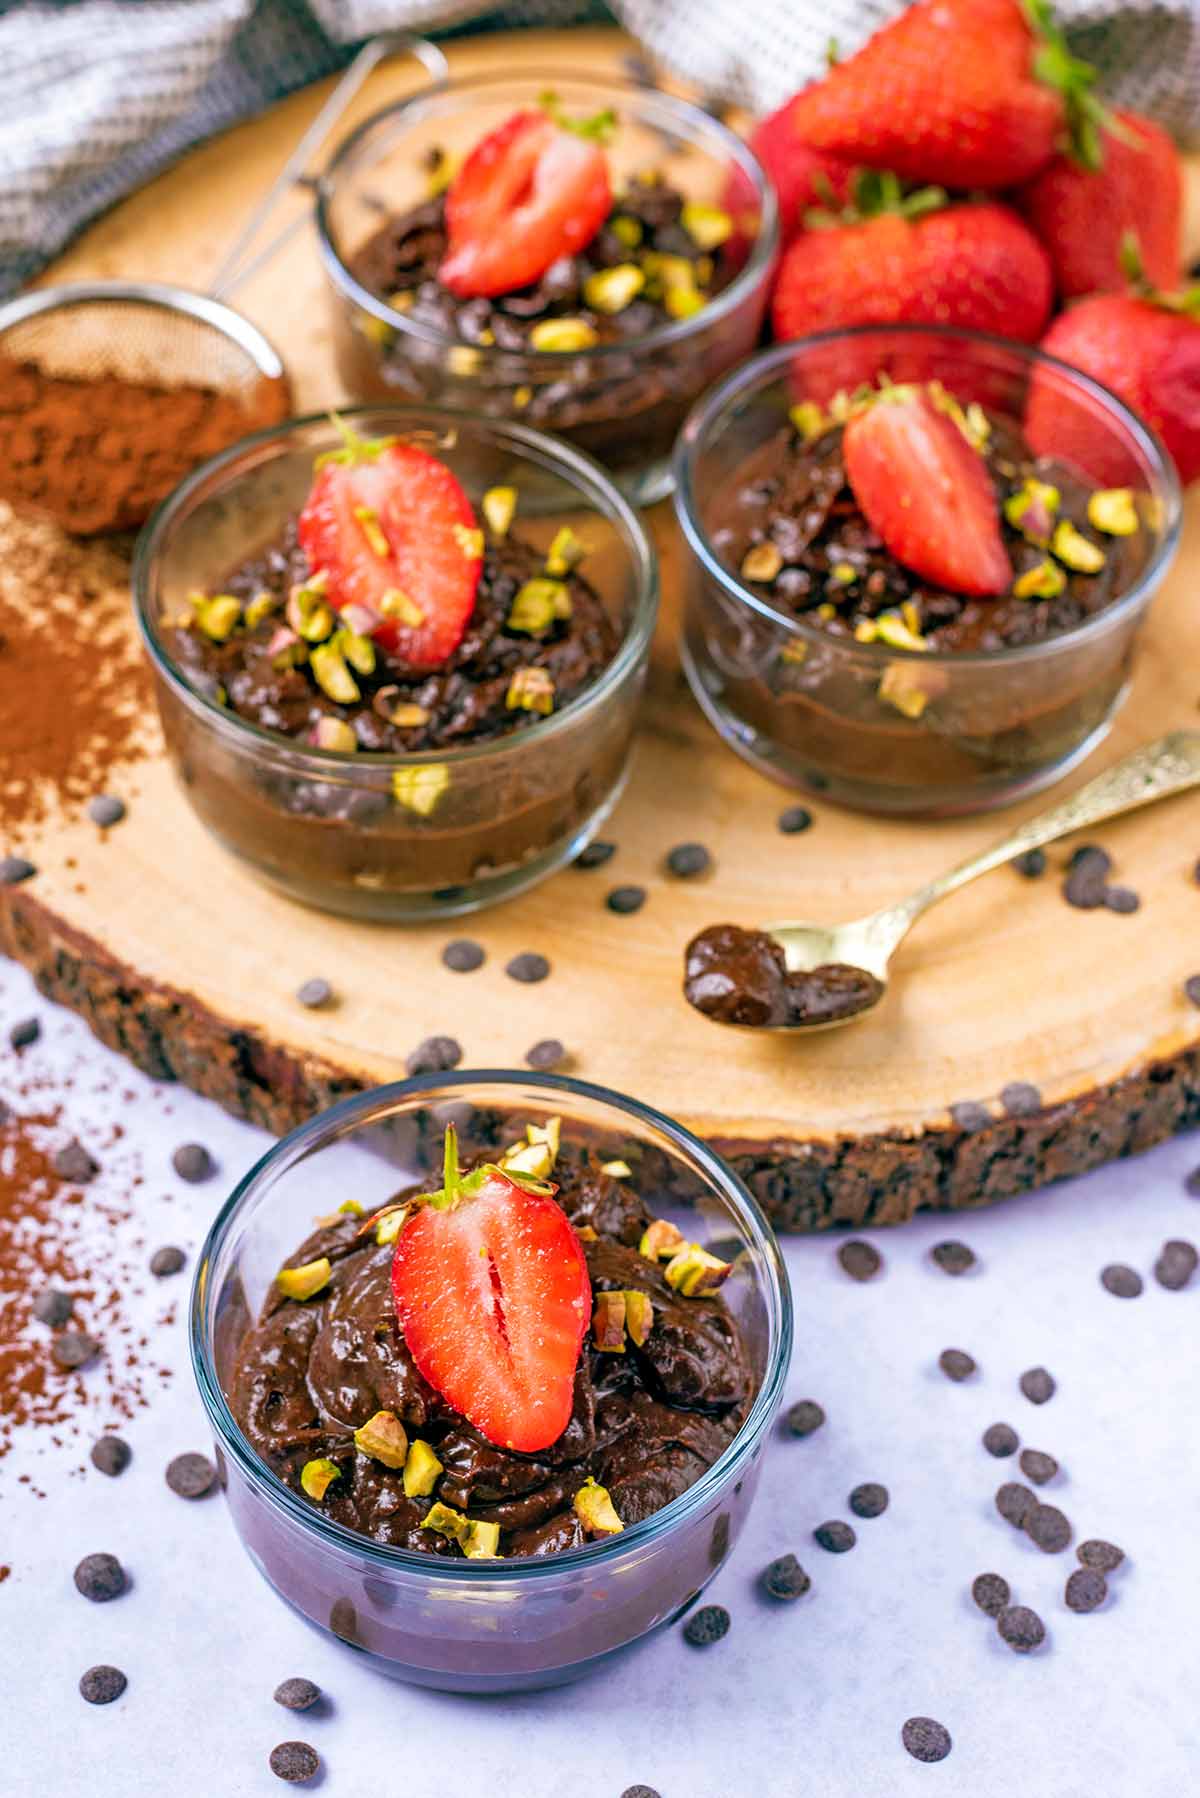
<point x="367" y="519"/>
<point x="904" y="688"/>
<point x="639" y="1316"/>
<point x="384" y="1438"/>
<point x="389" y="1222"/>
<point x="707" y="226"/>
<point x="405" y="713"/>
<point x="1031" y="510"/>
<point x="308" y="612"/>
<point x="911" y="616"/>
<point x="303" y="1282"/>
<point x="375" y="330"/>
<point x="449" y="1523"/>
<point x="422" y="1470"/>
<point x="318" y="1476"/>
<point x="866" y="630"/>
<point x="481" y="1541"/>
<point x="618" y="1170"/>
<point x="693" y="1271"/>
<point x="826" y="609"/>
<point x="470" y="540"/>
<point x="521" y="398"/>
<point x="286" y="649"/>
<point x="683" y="302"/>
<point x="536" y="605"/>
<point x="612" y="289"/>
<point x="1075" y="550"/>
<point x="260" y="607"/>
<point x="531" y="690"/>
<point x="891" y="629"/>
<point x="594" y="1509"/>
<point x="499" y="508"/>
<point x="627" y="230"/>
<point x="218" y="616"/>
<point x="762" y="563"/>
<point x="585" y="1233"/>
<point x="660" y="1240"/>
<point x="400" y="301"/>
<point x="537" y="1154"/>
<point x="566" y="551"/>
<point x="1043" y="581"/>
<point x="842" y="574"/>
<point x="462" y="360"/>
<point x="608" y="1323"/>
<point x="564" y="336"/>
<point x="795" y="651"/>
<point x="807" y="420"/>
<point x="443" y="166"/>
<point x="397" y="604"/>
<point x="332" y="675"/>
<point x="1111" y="510"/>
<point x="420" y="788"/>
<point x="350" y="1208"/>
<point x="335" y="733"/>
<point x="358" y="651"/>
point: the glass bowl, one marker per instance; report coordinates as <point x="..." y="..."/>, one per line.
<point x="462" y="1625"/>
<point x="820" y="711"/>
<point x="490" y="818"/>
<point x="621" y="402"/>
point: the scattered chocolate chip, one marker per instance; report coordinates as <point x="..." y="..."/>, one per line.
<point x="1087" y="879"/>
<point x="1014" y="1503"/>
<point x="295" y="1762"/>
<point x="1021" y="1628"/>
<point x="687" y="860"/>
<point x="1101" y="1555"/>
<point x="1037" y="1466"/>
<point x="1046" y="1526"/>
<point x="546" y="1055"/>
<point x="1191" y="988"/>
<point x="970" y="1115"/>
<point x="100" y="1577"/>
<point x="463" y="955"/>
<point x="594" y="855"/>
<point x="74" y="1348"/>
<point x="436" y="1055"/>
<point x="869" y="1500"/>
<point x="1037" y="1385"/>
<point x="166" y="1261"/>
<point x="528" y="968"/>
<point x="1123" y="1282"/>
<point x="24" y="1033"/>
<point x="625" y="900"/>
<point x="640" y="1792"/>
<point x="72" y="1162"/>
<point x="191" y="1475"/>
<point x="1000" y="1439"/>
<point x="111" y="1455"/>
<point x="100" y="1685"/>
<point x="795" y="819"/>
<point x="956" y="1364"/>
<point x="106" y="810"/>
<point x="925" y="1739"/>
<point x="1031" y="863"/>
<point x="952" y="1257"/>
<point x="297" y="1694"/>
<point x="785" y="1579"/>
<point x="14" y="869"/>
<point x="1121" y="899"/>
<point x="835" y="1536"/>
<point x="1089" y="855"/>
<point x="314" y="993"/>
<point x="1191" y="1184"/>
<point x="706" y="1626"/>
<point x="1086" y="1589"/>
<point x="53" y="1307"/>
<point x="1020" y="1099"/>
<point x="990" y="1592"/>
<point x="861" y="1260"/>
<point x="193" y="1163"/>
<point x="802" y="1418"/>
<point x="1176" y="1265"/>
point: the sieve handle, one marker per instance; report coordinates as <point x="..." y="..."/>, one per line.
<point x="390" y="43"/>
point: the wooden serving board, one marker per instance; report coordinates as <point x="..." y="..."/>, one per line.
<point x="179" y="959"/>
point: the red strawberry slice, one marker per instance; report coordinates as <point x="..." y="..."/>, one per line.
<point x="528" y="193"/>
<point x="383" y="519"/>
<point x="493" y="1296"/>
<point x="927" y="493"/>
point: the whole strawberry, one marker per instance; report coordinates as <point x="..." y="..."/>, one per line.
<point x="1083" y="214"/>
<point x="801" y="176"/>
<point x="967" y="93"/>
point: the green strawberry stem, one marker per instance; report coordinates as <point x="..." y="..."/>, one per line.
<point x="1186" y="301"/>
<point x="1055" y="66"/>
<point x="598" y="126"/>
<point x="355" y="449"/>
<point x="877" y="191"/>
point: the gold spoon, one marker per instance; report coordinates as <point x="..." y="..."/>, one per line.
<point x="1170" y="765"/>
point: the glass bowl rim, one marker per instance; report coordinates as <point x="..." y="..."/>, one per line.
<point x="584" y="473"/>
<point x="699" y="423"/>
<point x="682" y="112"/>
<point x="292" y="1148"/>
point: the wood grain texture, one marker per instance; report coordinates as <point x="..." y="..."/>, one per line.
<point x="181" y="961"/>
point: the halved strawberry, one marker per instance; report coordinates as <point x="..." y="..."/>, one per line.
<point x="926" y="491"/>
<point x="395" y="533"/>
<point x="528" y="193"/>
<point x="492" y="1292"/>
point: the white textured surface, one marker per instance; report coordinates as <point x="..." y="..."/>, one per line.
<point x="798" y="1700"/>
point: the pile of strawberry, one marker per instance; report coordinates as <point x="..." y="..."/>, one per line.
<point x="960" y="170"/>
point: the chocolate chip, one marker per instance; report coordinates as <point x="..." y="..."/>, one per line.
<point x="926" y="1739"/>
<point x="952" y="1257"/>
<point x="1031" y="863"/>
<point x="314" y="993"/>
<point x="1176" y="1265"/>
<point x="706" y="1626"/>
<point x="14" y="869"/>
<point x="464" y="955"/>
<point x="1087" y="882"/>
<point x="72" y="1162"/>
<point x="1014" y="1503"/>
<point x="436" y="1055"/>
<point x="869" y="1500"/>
<point x="1046" y="1526"/>
<point x="74" y="1348"/>
<point x="24" y="1033"/>
<point x="53" y="1307"/>
<point x="785" y="1579"/>
<point x="802" y="1418"/>
<point x="990" y="1592"/>
<point x="193" y="1163"/>
<point x="594" y="855"/>
<point x="861" y="1260"/>
<point x="106" y="810"/>
<point x="1037" y="1466"/>
<point x="1101" y="1555"/>
<point x="1191" y="987"/>
<point x="165" y="1261"/>
<point x="687" y="860"/>
<point x="1121" y="899"/>
<point x="795" y="819"/>
<point x="625" y="900"/>
<point x="191" y="1475"/>
<point x="547" y="1054"/>
<point x="970" y="1115"/>
<point x="1021" y="1628"/>
<point x="297" y="1694"/>
<point x="100" y="1577"/>
<point x="956" y="1364"/>
<point x="1089" y="855"/>
<point x="835" y="1536"/>
<point x="100" y="1685"/>
<point x="528" y="968"/>
<point x="1037" y="1385"/>
<point x="111" y="1455"/>
<point x="1020" y="1099"/>
<point x="640" y="1792"/>
<point x="1000" y="1439"/>
<point x="1123" y="1282"/>
<point x="295" y="1762"/>
<point x="1086" y="1589"/>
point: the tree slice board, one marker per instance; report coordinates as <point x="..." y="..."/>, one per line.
<point x="180" y="960"/>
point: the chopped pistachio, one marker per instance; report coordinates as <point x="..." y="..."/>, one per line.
<point x="565" y="336"/>
<point x="660" y="1240"/>
<point x="608" y="1323"/>
<point x="499" y="508"/>
<point x="911" y="616"/>
<point x="260" y="607"/>
<point x="762" y="563"/>
<point x="1075" y="550"/>
<point x="1043" y="581"/>
<point x="303" y="1282"/>
<point x="707" y="226"/>
<point x="694" y="1271"/>
<point x="866" y="630"/>
<point x="626" y="230"/>
<point x="536" y="605"/>
<point x="470" y="540"/>
<point x="443" y="167"/>
<point x="891" y="629"/>
<point x="594" y="1509"/>
<point x="538" y="1153"/>
<point x="462" y="360"/>
<point x="350" y="1208"/>
<point x="1111" y="510"/>
<point x="842" y="574"/>
<point x="422" y="1470"/>
<point x="617" y="1170"/>
<point x="521" y="398"/>
<point x="367" y="519"/>
<point x="390" y="1223"/>
<point x="286" y="649"/>
<point x="807" y="419"/>
<point x="639" y="1316"/>
<point x="420" y="788"/>
<point x="566" y="551"/>
<point x="335" y="733"/>
<point x="218" y="616"/>
<point x="358" y="651"/>
<point x="826" y="609"/>
<point x="332" y="674"/>
<point x="585" y="1233"/>
<point x="401" y="300"/>
<point x="375" y="330"/>
<point x="682" y="302"/>
<point x="612" y="289"/>
<point x="794" y="652"/>
<point x="397" y="604"/>
<point x="904" y="688"/>
<point x="705" y="269"/>
<point x="445" y="1521"/>
<point x="308" y="612"/>
<point x="481" y="1541"/>
<point x="318" y="1476"/>
<point x="1031" y="510"/>
<point x="648" y="177"/>
<point x="530" y="690"/>
<point x="384" y="1438"/>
